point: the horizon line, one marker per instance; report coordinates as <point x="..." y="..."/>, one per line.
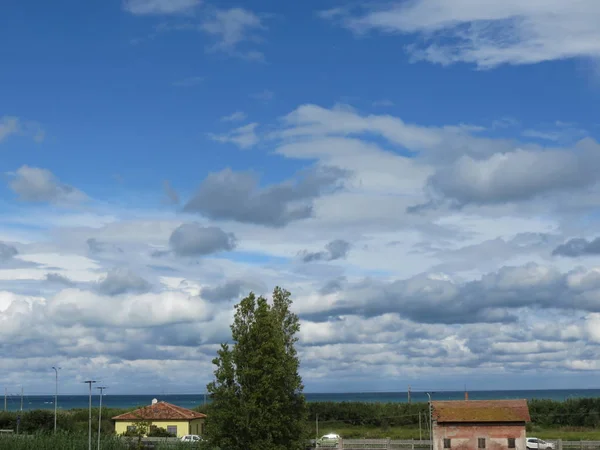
<point x="412" y="391"/>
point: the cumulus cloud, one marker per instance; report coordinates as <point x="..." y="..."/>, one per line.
<point x="578" y="247"/>
<point x="459" y="289"/>
<point x="33" y="184"/>
<point x="121" y="281"/>
<point x="336" y="249"/>
<point x="192" y="239"/>
<point x="148" y="7"/>
<point x="229" y="195"/>
<point x="517" y="175"/>
<point x="494" y="298"/>
<point x="484" y="33"/>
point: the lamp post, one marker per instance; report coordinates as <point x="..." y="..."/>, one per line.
<point x="56" y="369"/>
<point x="101" y="388"/>
<point x="90" y="382"/>
<point x="430" y="423"/>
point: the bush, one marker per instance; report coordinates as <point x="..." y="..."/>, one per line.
<point x="159" y="432"/>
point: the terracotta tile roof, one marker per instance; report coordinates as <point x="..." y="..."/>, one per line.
<point x="481" y="411"/>
<point x="161" y="411"/>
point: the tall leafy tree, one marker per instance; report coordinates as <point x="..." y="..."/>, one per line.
<point x="257" y="399"/>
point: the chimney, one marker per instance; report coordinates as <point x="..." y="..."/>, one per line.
<point x="154" y="401"/>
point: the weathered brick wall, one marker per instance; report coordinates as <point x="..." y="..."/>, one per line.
<point x="465" y="437"/>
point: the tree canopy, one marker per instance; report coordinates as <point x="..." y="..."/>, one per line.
<point x="257" y="399"/>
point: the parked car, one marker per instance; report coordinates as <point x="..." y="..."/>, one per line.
<point x="191" y="438"/>
<point x="538" y="444"/>
<point x="329" y="440"/>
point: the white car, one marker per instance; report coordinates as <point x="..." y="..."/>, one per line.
<point x="329" y="440"/>
<point x="191" y="438"/>
<point x="538" y="444"/>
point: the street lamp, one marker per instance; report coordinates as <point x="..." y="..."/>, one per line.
<point x="101" y="388"/>
<point x="56" y="369"/>
<point x="90" y="382"/>
<point x="430" y="423"/>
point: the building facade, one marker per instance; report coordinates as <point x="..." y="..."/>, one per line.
<point x="480" y="424"/>
<point x="175" y="419"/>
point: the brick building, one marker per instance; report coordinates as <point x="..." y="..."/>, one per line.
<point x="479" y="424"/>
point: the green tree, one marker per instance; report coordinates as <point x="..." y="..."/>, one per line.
<point x="257" y="399"/>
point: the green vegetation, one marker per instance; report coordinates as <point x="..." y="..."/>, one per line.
<point x="571" y="420"/>
<point x="257" y="400"/>
<point x="79" y="441"/>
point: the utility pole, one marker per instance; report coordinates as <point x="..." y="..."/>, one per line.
<point x="409" y="394"/>
<point x="101" y="388"/>
<point x="420" y="435"/>
<point x="21" y="398"/>
<point x="5" y="398"/>
<point x="90" y="382"/>
<point x="317" y="432"/>
<point x="56" y="369"/>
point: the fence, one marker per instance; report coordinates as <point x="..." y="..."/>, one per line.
<point x="390" y="444"/>
<point x="406" y="444"/>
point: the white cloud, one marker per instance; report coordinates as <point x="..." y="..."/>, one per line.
<point x="33" y="184"/>
<point x="145" y="7"/>
<point x="244" y="136"/>
<point x="8" y="125"/>
<point x="486" y="33"/>
<point x="467" y="289"/>
<point x="233" y="26"/>
<point x="234" y="117"/>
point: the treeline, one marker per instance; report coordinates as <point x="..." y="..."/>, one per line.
<point x="74" y="420"/>
<point x="584" y="412"/>
<point x="581" y="412"/>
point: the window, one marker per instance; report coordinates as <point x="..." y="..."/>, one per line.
<point x="511" y="443"/>
<point x="447" y="443"/>
<point x="131" y="428"/>
<point x="481" y="443"/>
<point x="172" y="429"/>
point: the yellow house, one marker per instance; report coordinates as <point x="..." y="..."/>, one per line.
<point x="175" y="419"/>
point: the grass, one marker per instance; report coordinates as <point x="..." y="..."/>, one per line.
<point x="366" y="432"/>
<point x="75" y="441"/>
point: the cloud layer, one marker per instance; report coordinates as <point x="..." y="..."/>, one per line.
<point x="407" y="248"/>
<point x="484" y="33"/>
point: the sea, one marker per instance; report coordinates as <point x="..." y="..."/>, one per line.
<point x="66" y="402"/>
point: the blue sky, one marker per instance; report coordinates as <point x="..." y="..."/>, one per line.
<point x="418" y="175"/>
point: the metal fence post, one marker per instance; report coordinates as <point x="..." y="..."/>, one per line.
<point x="388" y="444"/>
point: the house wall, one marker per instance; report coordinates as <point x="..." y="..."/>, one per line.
<point x="465" y="436"/>
<point x="183" y="426"/>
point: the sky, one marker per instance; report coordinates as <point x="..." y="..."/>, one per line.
<point x="423" y="176"/>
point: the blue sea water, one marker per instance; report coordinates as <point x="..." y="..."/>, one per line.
<point x="66" y="402"/>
